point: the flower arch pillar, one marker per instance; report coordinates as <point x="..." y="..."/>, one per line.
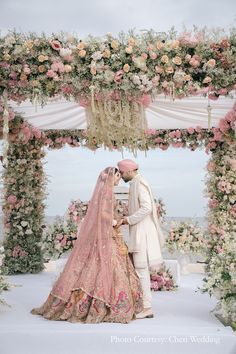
<point x="23" y="203"/>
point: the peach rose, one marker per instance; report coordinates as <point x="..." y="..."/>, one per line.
<point x="211" y="63"/>
<point x="82" y="53"/>
<point x="159" y="45"/>
<point x="126" y="68"/>
<point x="115" y="45"/>
<point x="129" y="50"/>
<point x="206" y="80"/>
<point x="6" y="57"/>
<point x="169" y="70"/>
<point x="67" y="68"/>
<point x="29" y="44"/>
<point x="165" y="59"/>
<point x="106" y="53"/>
<point x="34" y="83"/>
<point x="159" y="69"/>
<point x="175" y="44"/>
<point x="81" y="45"/>
<point x="132" y="41"/>
<point x="177" y="60"/>
<point x="23" y="77"/>
<point x="41" y="58"/>
<point x="187" y="77"/>
<point x="93" y="70"/>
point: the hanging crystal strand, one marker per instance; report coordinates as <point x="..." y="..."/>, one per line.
<point x="173" y="90"/>
<point x="5" y="129"/>
<point x="209" y="108"/>
<point x="92" y="98"/>
<point x="35" y="101"/>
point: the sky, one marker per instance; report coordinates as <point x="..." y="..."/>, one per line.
<point x="175" y="175"/>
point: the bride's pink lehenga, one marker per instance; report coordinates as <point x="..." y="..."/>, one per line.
<point x="99" y="282"/>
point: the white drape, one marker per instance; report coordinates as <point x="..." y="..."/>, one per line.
<point x="163" y="113"/>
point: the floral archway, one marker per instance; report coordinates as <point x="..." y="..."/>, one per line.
<point x="115" y="79"/>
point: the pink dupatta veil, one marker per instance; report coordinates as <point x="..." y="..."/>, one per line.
<point x="89" y="264"/>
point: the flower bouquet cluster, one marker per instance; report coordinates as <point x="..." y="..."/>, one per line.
<point x="61" y="235"/>
<point x="4" y="285"/>
<point x="161" y="210"/>
<point x="115" y="77"/>
<point x="58" y="238"/>
<point x="162" y="280"/>
<point x="77" y="211"/>
<point x="186" y="238"/>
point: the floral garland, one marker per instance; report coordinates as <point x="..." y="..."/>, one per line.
<point x="187" y="238"/>
<point x="129" y="65"/>
<point x="115" y="79"/>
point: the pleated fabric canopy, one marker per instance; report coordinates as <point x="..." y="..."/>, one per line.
<point x="163" y="113"/>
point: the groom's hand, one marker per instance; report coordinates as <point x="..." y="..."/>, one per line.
<point x="125" y="221"/>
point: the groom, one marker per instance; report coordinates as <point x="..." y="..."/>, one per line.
<point x="146" y="238"/>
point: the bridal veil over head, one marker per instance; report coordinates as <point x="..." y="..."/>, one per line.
<point x="89" y="265"/>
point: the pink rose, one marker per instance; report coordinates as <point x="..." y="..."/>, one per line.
<point x="223" y="91"/>
<point x="213" y="96"/>
<point x="213" y="203"/>
<point x="26" y="70"/>
<point x="51" y="73"/>
<point x="178" y="133"/>
<point x="118" y="76"/>
<point x="158" y="140"/>
<point x="153" y="55"/>
<point x="144" y="56"/>
<point x="150" y="132"/>
<point x="211" y="166"/>
<point x="198" y="129"/>
<point x="12" y="199"/>
<point x="190" y="130"/>
<point x="67" y="89"/>
<point x="145" y="100"/>
<point x="164" y="147"/>
<point x="156" y="79"/>
<point x="83" y="102"/>
<point x="230" y="116"/>
<point x="56" y="45"/>
<point x="223" y="125"/>
<point x="194" y="63"/>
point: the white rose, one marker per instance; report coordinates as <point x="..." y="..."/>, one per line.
<point x="109" y="75"/>
<point x="24" y="223"/>
<point x="65" y="52"/>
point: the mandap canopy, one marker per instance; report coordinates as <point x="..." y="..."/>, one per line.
<point x="147" y="91"/>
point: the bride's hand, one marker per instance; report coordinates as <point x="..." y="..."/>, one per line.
<point x="120" y="222"/>
<point x="114" y="223"/>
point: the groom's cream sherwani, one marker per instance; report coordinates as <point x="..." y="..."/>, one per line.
<point x="146" y="237"/>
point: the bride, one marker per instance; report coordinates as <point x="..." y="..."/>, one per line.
<point x="98" y="282"/>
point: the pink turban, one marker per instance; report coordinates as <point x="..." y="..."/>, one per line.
<point x="127" y="165"/>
